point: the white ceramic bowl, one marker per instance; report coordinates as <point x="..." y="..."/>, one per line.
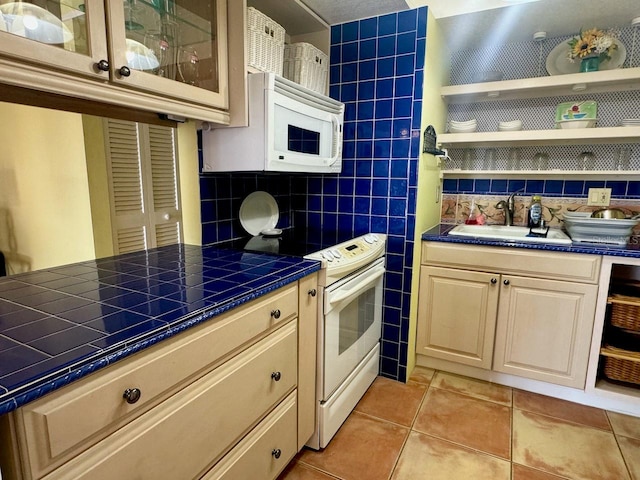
<point x="565" y="124"/>
<point x="470" y="129"/>
<point x="463" y="124"/>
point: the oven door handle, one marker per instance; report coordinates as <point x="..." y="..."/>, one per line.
<point x="361" y="286"/>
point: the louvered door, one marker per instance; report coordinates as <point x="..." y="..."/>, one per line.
<point x="143" y="185"/>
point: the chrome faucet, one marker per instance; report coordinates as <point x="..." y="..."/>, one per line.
<point x="509" y="207"/>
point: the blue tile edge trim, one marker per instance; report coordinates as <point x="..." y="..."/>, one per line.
<point x="20" y="397"/>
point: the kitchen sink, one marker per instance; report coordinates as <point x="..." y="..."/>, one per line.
<point x="510" y="233"/>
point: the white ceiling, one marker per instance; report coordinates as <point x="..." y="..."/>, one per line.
<point x="474" y="20"/>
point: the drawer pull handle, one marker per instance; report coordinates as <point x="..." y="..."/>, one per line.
<point x="506" y="282"/>
<point x="313" y="292"/>
<point x="276" y="452"/>
<point x="124" y="71"/>
<point x="276" y="376"/>
<point x="494" y="281"/>
<point x="132" y="395"/>
<point x="275" y="313"/>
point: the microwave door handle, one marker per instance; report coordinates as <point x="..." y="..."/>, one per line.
<point x="339" y="298"/>
<point x="336" y="138"/>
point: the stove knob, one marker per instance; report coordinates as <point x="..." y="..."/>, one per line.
<point x="336" y="253"/>
<point x="328" y="256"/>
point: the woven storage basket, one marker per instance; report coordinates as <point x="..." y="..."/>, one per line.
<point x="265" y="40"/>
<point x="625" y="312"/>
<point x="306" y="65"/>
<point x="621" y="365"/>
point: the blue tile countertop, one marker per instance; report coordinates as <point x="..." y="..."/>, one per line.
<point x="62" y="323"/>
<point x="439" y="234"/>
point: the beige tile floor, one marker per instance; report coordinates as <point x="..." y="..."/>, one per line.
<point x="443" y="426"/>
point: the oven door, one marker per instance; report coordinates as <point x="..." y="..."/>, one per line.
<point x="352" y="323"/>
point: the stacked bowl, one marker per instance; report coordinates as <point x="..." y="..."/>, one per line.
<point x="463" y="127"/>
<point x="512" y="126"/>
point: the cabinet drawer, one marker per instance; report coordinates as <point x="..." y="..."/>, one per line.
<point x="543" y="263"/>
<point x="255" y="455"/>
<point x="68" y="421"/>
<point x="183" y="437"/>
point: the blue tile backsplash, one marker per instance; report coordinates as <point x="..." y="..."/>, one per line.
<point x="376" y="69"/>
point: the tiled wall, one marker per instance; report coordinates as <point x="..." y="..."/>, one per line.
<point x="558" y="196"/>
<point x="377" y="71"/>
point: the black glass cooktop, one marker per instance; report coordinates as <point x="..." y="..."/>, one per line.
<point x="298" y="242"/>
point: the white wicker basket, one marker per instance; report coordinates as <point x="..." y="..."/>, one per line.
<point x="306" y="65"/>
<point x="265" y="39"/>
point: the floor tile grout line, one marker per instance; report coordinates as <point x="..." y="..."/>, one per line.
<point x="565" y="420"/>
<point x="313" y="467"/>
<point x="626" y="464"/>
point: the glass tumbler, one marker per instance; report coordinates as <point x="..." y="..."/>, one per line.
<point x="467" y="159"/>
<point x="541" y="161"/>
<point x="623" y="158"/>
<point x="513" y="162"/>
<point x="490" y="159"/>
<point x="586" y="161"/>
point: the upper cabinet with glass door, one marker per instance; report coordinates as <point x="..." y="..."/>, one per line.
<point x="174" y="49"/>
<point x="171" y="47"/>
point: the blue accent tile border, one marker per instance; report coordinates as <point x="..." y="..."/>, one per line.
<point x="553" y="187"/>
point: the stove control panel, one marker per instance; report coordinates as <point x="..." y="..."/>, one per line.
<point x="352" y="254"/>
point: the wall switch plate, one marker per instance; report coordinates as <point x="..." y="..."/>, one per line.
<point x="600" y="197"/>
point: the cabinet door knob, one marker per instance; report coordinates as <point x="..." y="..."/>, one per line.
<point x="125" y="71"/>
<point x="275" y="313"/>
<point x="312" y="292"/>
<point x="494" y="281"/>
<point x="276" y="376"/>
<point x="506" y="282"/>
<point x="103" y="66"/>
<point x="132" y="395"/>
<point x="276" y="452"/>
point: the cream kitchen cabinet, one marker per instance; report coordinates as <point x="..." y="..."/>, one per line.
<point x="540" y="306"/>
<point x="162" y="56"/>
<point x="229" y="396"/>
<point x="460" y="308"/>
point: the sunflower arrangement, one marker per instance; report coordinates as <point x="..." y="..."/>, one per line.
<point x="593" y="42"/>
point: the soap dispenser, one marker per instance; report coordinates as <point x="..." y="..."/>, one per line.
<point x="535" y="212"/>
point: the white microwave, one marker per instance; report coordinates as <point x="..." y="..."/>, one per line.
<point x="291" y="129"/>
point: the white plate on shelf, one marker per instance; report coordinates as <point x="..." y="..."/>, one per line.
<point x="258" y="212"/>
<point x="558" y="60"/>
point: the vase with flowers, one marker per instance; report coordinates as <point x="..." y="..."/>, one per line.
<point x="592" y="47"/>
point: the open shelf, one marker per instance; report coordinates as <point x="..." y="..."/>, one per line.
<point x="577" y="136"/>
<point x="553" y="86"/>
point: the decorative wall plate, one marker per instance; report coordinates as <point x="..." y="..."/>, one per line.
<point x="558" y="62"/>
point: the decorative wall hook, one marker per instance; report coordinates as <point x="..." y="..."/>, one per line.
<point x="429" y="142"/>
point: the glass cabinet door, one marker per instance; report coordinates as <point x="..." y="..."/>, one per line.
<point x="61" y="34"/>
<point x="174" y="47"/>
